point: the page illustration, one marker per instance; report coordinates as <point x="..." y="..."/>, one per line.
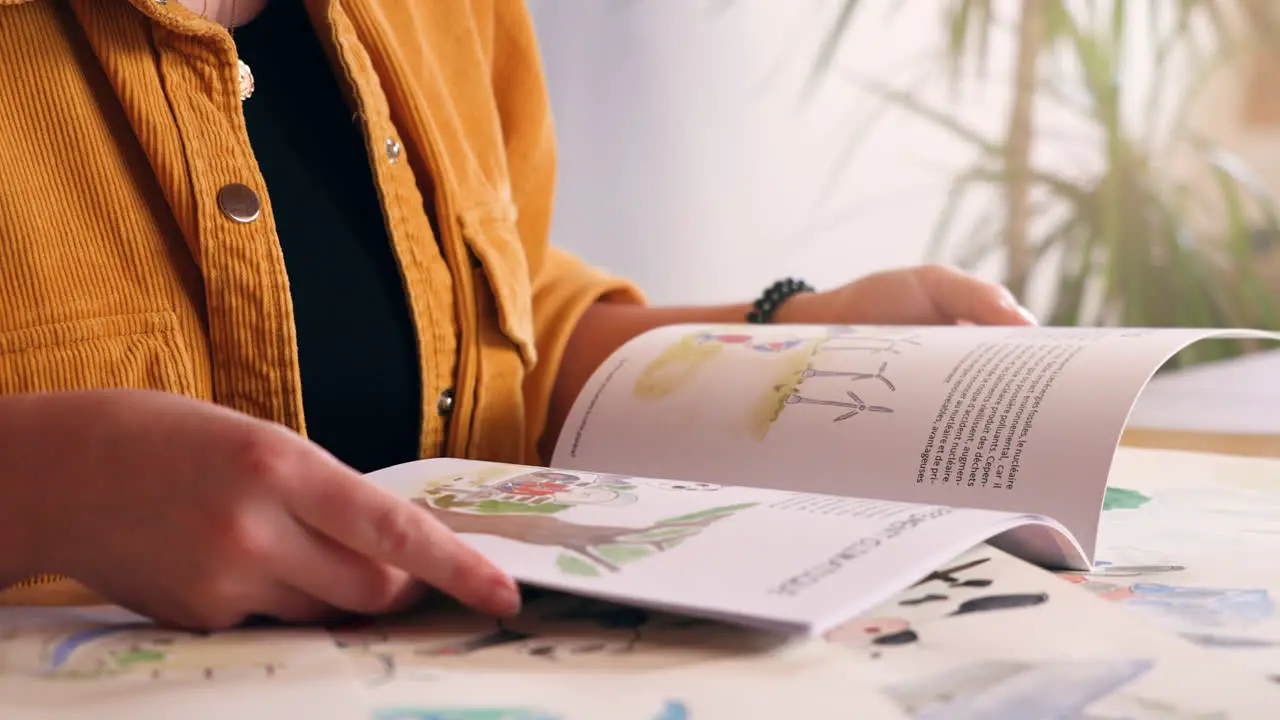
<point x="792" y="364"/>
<point x="524" y="508"/>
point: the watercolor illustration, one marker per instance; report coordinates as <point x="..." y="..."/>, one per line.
<point x="873" y="633"/>
<point x="508" y="489"/>
<point x="554" y="632"/>
<point x="936" y="585"/>
<point x="1013" y="690"/>
<point x="671" y="710"/>
<point x="960" y="589"/>
<point x="1123" y="499"/>
<point x="468" y="713"/>
<point x="521" y="508"/>
<point x="1192" y="522"/>
<point x="109" y="651"/>
<point x="1208" y="616"/>
<point x="840" y="372"/>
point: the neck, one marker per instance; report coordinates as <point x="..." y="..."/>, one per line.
<point x="228" y="13"/>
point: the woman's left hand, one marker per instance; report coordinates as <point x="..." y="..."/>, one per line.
<point x="922" y="295"/>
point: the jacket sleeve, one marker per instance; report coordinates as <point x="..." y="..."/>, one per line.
<point x="564" y="286"/>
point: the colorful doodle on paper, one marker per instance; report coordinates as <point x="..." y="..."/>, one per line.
<point x="671" y="710"/>
<point x="1123" y="499"/>
<point x="1208" y="616"/>
<point x="1013" y="690"/>
<point x="105" y="651"/>
<point x="554" y="631"/>
<point x="471" y="713"/>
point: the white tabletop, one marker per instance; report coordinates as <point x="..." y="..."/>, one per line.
<point x="1236" y="396"/>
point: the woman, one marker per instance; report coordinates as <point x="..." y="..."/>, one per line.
<point x="250" y="251"/>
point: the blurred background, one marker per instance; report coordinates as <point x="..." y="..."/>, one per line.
<point x="1113" y="162"/>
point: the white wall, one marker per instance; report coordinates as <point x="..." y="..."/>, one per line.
<point x="691" y="162"/>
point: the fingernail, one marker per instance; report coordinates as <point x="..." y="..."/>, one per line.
<point x="1026" y="314"/>
<point x="1012" y="303"/>
<point x="504" y="596"/>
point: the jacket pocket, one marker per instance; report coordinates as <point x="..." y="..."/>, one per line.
<point x="140" y="351"/>
<point x="491" y="234"/>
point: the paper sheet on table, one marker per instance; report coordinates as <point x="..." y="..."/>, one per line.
<point x="108" y="664"/>
<point x="989" y="636"/>
<point x="1192" y="541"/>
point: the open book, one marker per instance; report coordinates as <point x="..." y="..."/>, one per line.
<point x="791" y="477"/>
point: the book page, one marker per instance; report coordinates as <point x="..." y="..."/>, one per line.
<point x="784" y="561"/>
<point x="1014" y="419"/>
<point x="107" y="663"/>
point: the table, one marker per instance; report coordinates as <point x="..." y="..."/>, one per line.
<point x="1231" y="406"/>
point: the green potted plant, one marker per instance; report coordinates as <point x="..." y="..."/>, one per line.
<point x="1135" y="241"/>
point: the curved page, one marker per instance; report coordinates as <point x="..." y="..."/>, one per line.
<point x="1022" y="420"/>
<point x="785" y="561"/>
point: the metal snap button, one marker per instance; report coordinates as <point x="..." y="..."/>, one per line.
<point x="240" y="203"/>
<point x="394" y="150"/>
<point x="444" y="404"/>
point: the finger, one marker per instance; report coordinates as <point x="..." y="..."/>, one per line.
<point x="958" y="296"/>
<point x="339" y="576"/>
<point x="291" y="605"/>
<point x="381" y="526"/>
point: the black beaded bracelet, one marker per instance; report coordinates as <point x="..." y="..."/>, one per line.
<point x="773" y="297"/>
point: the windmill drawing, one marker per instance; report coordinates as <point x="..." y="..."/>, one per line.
<point x="855" y="405"/>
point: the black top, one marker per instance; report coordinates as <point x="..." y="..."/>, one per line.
<point x="361" y="389"/>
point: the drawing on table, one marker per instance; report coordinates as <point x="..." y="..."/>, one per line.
<point x="671" y="710"/>
<point x="794" y="378"/>
<point x="991" y="603"/>
<point x="863" y="633"/>
<point x="950" y="576"/>
<point x="1013" y="690"/>
<point x="923" y="599"/>
<point x="1205" y="615"/>
<point x="1215" y="522"/>
<point x="1123" y="499"/>
<point x="553" y="632"/>
<point x="614" y="629"/>
<point x="1104" y="568"/>
<point x="464" y="713"/>
<point x="106" y="651"/>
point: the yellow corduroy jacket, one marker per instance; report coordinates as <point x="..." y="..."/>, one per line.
<point x="120" y="127"/>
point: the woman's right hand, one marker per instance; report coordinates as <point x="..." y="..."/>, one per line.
<point x="198" y="516"/>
